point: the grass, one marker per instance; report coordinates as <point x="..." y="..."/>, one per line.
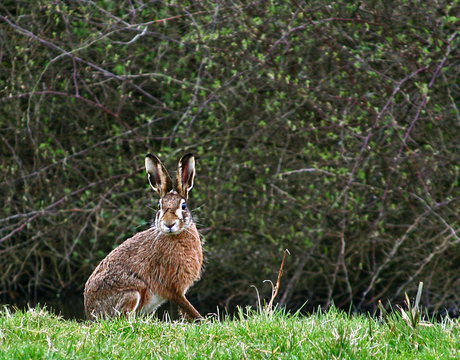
<point x="38" y="334"/>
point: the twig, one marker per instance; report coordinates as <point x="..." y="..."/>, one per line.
<point x="104" y="142"/>
<point x="269" y="307"/>
<point x="297" y="273"/>
<point x="390" y="256"/>
<point x="416" y="117"/>
<point x="70" y="54"/>
<point x="41" y="212"/>
<point x="133" y="39"/>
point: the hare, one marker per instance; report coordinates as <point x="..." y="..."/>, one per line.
<point x="157" y="264"/>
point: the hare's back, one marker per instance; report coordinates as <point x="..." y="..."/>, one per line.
<point x="117" y="268"/>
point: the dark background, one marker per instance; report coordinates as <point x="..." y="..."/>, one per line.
<point x="327" y="128"/>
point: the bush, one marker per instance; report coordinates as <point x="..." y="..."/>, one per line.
<point x="328" y="129"/>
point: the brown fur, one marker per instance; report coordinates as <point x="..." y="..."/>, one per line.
<point x="163" y="261"/>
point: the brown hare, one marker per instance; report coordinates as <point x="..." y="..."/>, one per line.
<point x="157" y="264"/>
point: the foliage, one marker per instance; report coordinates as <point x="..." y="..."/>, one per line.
<point x="329" y="129"/>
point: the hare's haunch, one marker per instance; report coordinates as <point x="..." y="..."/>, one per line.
<point x="155" y="265"/>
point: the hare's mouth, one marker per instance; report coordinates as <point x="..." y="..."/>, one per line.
<point x="170" y="229"/>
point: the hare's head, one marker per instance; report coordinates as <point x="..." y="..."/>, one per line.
<point x="173" y="215"/>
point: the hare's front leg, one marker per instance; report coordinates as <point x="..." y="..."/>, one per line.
<point x="186" y="309"/>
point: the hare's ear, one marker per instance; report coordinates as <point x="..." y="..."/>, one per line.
<point x="158" y="176"/>
<point x="185" y="175"/>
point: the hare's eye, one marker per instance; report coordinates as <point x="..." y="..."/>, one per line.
<point x="159" y="206"/>
<point x="184" y="206"/>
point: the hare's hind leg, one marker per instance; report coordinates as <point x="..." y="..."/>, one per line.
<point x="115" y="304"/>
<point x="129" y="302"/>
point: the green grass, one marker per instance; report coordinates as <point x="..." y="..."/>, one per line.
<point x="326" y="335"/>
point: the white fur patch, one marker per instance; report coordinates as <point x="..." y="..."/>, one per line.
<point x="154" y="302"/>
<point x="179" y="210"/>
<point x="138" y="301"/>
